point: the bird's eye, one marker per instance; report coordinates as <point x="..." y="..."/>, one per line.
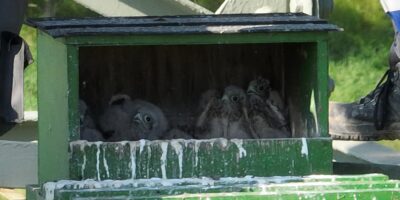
<point x="235" y="98"/>
<point x="147" y="118"/>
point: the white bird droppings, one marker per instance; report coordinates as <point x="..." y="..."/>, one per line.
<point x="49" y="190"/>
<point x="239" y="145"/>
<point x="105" y="162"/>
<point x="142" y="144"/>
<point x="179" y="152"/>
<point x="196" y="151"/>
<point x="164" y="148"/>
<point x="98" y="160"/>
<point x="304" y="147"/>
<point x="132" y="146"/>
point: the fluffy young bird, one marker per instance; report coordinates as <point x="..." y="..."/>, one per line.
<point x="207" y="122"/>
<point x="148" y="121"/>
<point x="266" y="110"/>
<point x="125" y="119"/>
<point x="225" y="117"/>
<point x="235" y="114"/>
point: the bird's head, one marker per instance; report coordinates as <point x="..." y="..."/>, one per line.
<point x="234" y="99"/>
<point x="149" y="121"/>
<point x="260" y="87"/>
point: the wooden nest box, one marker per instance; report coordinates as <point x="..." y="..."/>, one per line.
<point x="170" y="61"/>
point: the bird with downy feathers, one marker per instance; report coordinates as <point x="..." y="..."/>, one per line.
<point x="125" y="119"/>
<point x="267" y="118"/>
<point x="207" y="123"/>
<point x="226" y="116"/>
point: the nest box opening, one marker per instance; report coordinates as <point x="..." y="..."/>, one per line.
<point x="173" y="77"/>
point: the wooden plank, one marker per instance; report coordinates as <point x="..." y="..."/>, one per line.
<point x="18" y="163"/>
<point x="54" y="114"/>
<point x="198" y="158"/>
<point x="321" y="88"/>
<point x="314" y="187"/>
<point x="288" y="18"/>
<point x="73" y="92"/>
<point x="368" y="151"/>
<point x="184" y="25"/>
<point x="243" y="38"/>
<point x="184" y="30"/>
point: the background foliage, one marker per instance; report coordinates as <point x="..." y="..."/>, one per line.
<point x="358" y="56"/>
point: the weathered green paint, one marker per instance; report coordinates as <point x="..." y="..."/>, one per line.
<point x="374" y="186"/>
<point x="321" y="88"/>
<point x="59" y="118"/>
<point x="53" y="109"/>
<point x="73" y="91"/>
<point x="32" y="192"/>
<point x="54" y="105"/>
<point x="250" y="38"/>
<point x="210" y="158"/>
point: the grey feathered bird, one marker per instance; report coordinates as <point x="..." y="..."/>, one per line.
<point x="266" y="117"/>
<point x="88" y="129"/>
<point x="133" y="120"/>
<point x="115" y="122"/>
<point x="235" y="114"/>
<point x="149" y="122"/>
<point x="209" y="109"/>
<point x="225" y="117"/>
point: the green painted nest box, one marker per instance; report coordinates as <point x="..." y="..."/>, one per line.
<point x="170" y="61"/>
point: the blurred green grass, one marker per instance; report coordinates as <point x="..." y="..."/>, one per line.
<point x="358" y="56"/>
<point x="30" y="76"/>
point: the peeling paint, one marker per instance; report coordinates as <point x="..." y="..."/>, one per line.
<point x="304" y="147"/>
<point x="239" y="145"/>
<point x="98" y="160"/>
<point x="148" y="159"/>
<point x="49" y="190"/>
<point x="179" y="152"/>
<point x="142" y="163"/>
<point x="142" y="144"/>
<point x="132" y="146"/>
<point x="105" y="163"/>
<point x="223" y="142"/>
<point x="82" y="147"/>
<point x="164" y="148"/>
<point x="196" y="152"/>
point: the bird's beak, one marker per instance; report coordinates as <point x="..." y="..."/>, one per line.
<point x="138" y="118"/>
<point x="225" y="98"/>
<point x="251" y="90"/>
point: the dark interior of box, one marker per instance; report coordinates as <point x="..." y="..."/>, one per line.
<point x="174" y="76"/>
